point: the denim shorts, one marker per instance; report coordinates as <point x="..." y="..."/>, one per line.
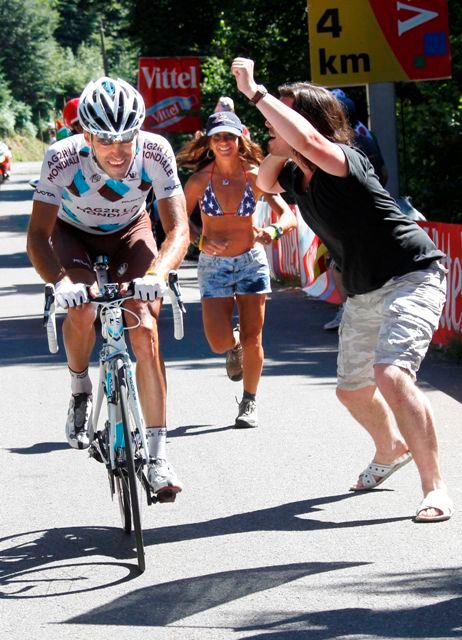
<point x="224" y="277"/>
<point x="391" y="325"/>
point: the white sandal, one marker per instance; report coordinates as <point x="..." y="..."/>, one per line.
<point x="368" y="478"/>
<point x="437" y="499"/>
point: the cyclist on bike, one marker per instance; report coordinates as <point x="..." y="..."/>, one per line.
<point x="90" y="200"/>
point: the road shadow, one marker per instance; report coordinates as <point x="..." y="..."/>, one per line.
<point x="180" y="599"/>
<point x="24" y="554"/>
<point x="27" y="572"/>
<point x="294" y="341"/>
<point x="14" y="224"/>
<point x="293" y="516"/>
<point x="15" y="261"/>
<point x="437" y="620"/>
<point x="291" y="355"/>
<point x="39" y="448"/>
<point x="15" y="195"/>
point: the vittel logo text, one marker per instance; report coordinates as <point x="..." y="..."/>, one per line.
<point x="170" y="78"/>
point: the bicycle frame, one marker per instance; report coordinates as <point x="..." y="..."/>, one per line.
<point x="113" y="350"/>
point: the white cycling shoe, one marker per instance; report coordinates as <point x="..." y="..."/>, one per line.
<point x="163" y="480"/>
<point x="79" y="425"/>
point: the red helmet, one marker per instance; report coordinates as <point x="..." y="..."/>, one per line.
<point x="70" y="114"/>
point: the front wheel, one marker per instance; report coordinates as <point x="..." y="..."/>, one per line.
<point x="123" y="495"/>
<point x="131" y="468"/>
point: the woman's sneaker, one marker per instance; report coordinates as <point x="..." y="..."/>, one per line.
<point x="234" y="362"/>
<point x="163" y="480"/>
<point x="79" y="425"/>
<point x="247" y="417"/>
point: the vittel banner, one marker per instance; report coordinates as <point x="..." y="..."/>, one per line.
<point x="171" y="91"/>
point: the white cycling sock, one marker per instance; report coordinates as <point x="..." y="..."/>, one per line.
<point x="157" y="442"/>
<point x="80" y="382"/>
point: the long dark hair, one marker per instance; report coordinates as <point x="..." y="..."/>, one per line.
<point x="322" y="109"/>
<point x="195" y="153"/>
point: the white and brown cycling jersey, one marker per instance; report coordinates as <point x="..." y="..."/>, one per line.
<point x="92" y="201"/>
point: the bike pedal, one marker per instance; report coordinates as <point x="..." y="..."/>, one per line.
<point x="96" y="447"/>
<point x="95" y="454"/>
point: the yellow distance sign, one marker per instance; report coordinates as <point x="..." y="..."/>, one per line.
<point x="363" y="41"/>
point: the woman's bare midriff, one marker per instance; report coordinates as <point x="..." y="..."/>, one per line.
<point x="233" y="233"/>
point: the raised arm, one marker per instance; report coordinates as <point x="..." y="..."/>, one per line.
<point x="293" y="128"/>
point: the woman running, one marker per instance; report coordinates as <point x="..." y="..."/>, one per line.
<point x="233" y="263"/>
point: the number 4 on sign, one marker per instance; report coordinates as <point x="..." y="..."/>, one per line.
<point x="329" y="22"/>
<point x="421" y="16"/>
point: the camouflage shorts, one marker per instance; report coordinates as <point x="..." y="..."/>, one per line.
<point x="391" y="325"/>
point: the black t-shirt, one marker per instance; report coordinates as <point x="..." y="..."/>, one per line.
<point x="368" y="236"/>
<point x="370" y="147"/>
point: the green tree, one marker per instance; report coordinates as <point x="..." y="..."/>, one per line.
<point x="29" y="51"/>
<point x="218" y="32"/>
<point x="78" y="21"/>
<point x="87" y="22"/>
<point x="430" y="119"/>
<point x="51" y="48"/>
<point x="174" y="27"/>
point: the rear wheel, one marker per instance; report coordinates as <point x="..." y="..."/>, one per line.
<point x="131" y="467"/>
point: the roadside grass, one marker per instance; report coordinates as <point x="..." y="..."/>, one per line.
<point x="26" y="149"/>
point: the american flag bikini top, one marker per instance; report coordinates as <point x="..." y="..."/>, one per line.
<point x="210" y="207"/>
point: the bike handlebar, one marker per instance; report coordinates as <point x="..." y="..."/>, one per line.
<point x="111" y="294"/>
<point x="49" y="318"/>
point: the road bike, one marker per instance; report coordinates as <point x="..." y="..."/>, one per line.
<point x="121" y="442"/>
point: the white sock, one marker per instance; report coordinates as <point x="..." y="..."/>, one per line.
<point x="80" y="381"/>
<point x="157" y="442"/>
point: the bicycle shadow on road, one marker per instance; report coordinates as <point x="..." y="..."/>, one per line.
<point x="25" y="558"/>
<point x="27" y="553"/>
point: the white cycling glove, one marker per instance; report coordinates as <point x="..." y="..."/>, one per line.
<point x="70" y="294"/>
<point x="149" y="287"/>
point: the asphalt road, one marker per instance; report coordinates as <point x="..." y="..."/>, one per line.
<point x="265" y="541"/>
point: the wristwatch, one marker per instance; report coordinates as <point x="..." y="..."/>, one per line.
<point x="260" y="93"/>
<point x="279" y="230"/>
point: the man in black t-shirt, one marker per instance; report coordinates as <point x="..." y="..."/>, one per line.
<point x="367" y="143"/>
<point x="391" y="273"/>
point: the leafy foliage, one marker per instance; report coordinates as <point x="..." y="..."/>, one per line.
<point x="51" y="48"/>
<point x="430" y="118"/>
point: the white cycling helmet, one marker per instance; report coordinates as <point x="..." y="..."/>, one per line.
<point x="111" y="109"/>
